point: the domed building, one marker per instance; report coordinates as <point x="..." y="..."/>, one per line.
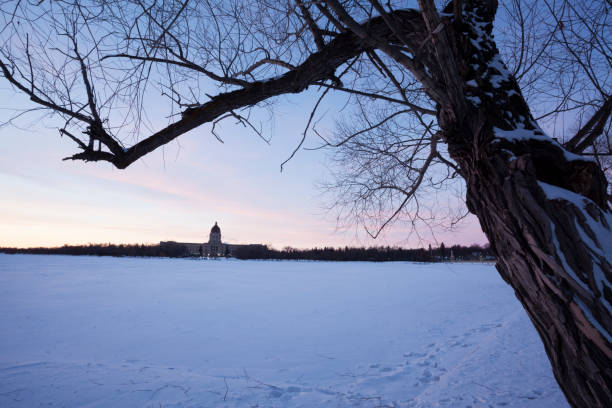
<point x="215" y="247"/>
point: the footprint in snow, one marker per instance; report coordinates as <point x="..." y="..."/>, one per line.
<point x="414" y="354"/>
<point x="275" y="394"/>
<point x="427" y="377"/>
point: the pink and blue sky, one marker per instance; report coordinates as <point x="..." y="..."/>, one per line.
<point x="177" y="193"/>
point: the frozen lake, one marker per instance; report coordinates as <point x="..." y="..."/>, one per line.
<point x="127" y="332"/>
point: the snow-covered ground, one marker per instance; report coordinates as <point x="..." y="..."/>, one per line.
<point x="126" y="332"/>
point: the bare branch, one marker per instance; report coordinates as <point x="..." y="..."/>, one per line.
<point x="316" y="33"/>
<point x="183" y="64"/>
<point x="37" y="99"/>
<point x="591" y="130"/>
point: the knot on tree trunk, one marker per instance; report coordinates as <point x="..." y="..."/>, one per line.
<point x="550" y="163"/>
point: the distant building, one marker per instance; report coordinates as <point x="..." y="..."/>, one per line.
<point x="214" y="247"/>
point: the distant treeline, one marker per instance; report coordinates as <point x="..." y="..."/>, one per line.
<point x="373" y="254"/>
<point x="171" y="250"/>
<point x="176" y="250"/>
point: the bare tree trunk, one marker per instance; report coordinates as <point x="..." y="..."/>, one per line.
<point x="550" y="245"/>
<point x="543" y="210"/>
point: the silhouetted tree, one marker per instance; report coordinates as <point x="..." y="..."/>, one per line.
<point x="434" y="100"/>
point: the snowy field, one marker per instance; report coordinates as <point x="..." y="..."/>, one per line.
<point x="127" y="332"/>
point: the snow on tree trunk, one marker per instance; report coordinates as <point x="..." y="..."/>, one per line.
<point x="543" y="210"/>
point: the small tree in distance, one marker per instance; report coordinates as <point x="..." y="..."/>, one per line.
<point x="436" y="97"/>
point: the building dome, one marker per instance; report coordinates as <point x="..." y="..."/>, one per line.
<point x="215" y="235"/>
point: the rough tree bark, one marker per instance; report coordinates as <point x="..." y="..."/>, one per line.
<point x="542" y="208"/>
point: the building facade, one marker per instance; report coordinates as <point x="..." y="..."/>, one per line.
<point x="214" y="248"/>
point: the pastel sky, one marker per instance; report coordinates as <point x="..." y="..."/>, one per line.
<point x="177" y="193"/>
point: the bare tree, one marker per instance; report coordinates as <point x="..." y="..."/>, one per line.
<point x="434" y="100"/>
